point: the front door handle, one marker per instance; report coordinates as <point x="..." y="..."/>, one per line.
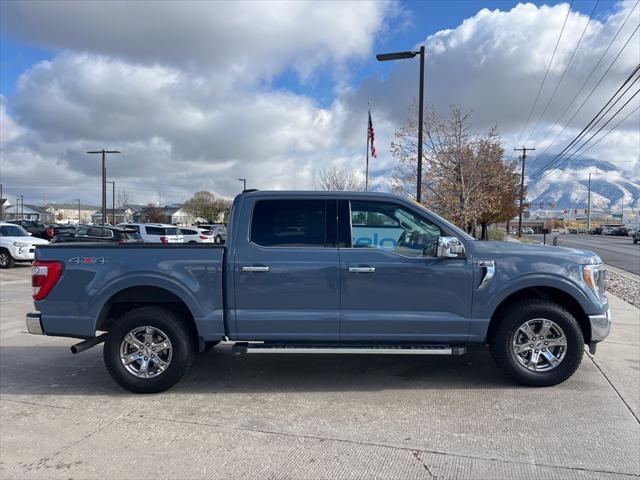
<point x="362" y="269"/>
<point x="255" y="269"/>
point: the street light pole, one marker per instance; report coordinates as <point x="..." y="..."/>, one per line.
<point x="104" y="180"/>
<point x="244" y="183"/>
<point x="384" y="57"/>
<point x="113" y="201"/>
<point x="78" y="200"/>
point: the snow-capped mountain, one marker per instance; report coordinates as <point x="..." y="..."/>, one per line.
<point x="567" y="184"/>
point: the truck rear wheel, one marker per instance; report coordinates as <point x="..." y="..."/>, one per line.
<point x="148" y="350"/>
<point x="537" y="343"/>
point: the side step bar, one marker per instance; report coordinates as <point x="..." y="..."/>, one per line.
<point x="244" y="347"/>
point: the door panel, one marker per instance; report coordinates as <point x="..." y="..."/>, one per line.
<point x="404" y="293"/>
<point x="287" y="285"/>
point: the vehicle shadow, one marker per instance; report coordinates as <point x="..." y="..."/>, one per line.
<point x="53" y="370"/>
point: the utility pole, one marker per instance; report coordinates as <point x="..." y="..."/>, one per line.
<point x="524" y="158"/>
<point x="78" y="200"/>
<point x="113" y="201"/>
<point x="589" y="205"/>
<point x="104" y="180"/>
<point x="1" y="205"/>
<point x="244" y="183"/>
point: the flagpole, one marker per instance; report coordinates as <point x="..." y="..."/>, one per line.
<point x="366" y="172"/>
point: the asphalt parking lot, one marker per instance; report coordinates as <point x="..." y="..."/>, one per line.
<point x="617" y="251"/>
<point x="334" y="417"/>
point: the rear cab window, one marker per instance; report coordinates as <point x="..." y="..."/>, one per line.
<point x="294" y="223"/>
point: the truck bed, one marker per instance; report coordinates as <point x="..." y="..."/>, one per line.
<point x="99" y="279"/>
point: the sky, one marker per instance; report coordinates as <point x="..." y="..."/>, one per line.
<point x="198" y="94"/>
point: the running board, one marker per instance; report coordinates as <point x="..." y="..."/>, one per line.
<point x="243" y="347"/>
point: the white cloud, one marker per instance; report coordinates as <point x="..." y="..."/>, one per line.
<point x="245" y="40"/>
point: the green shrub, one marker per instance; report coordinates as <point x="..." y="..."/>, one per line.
<point x="495" y="234"/>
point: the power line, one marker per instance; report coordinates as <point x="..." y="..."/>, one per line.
<point x="612" y="129"/>
<point x="546" y="73"/>
<point x="564" y="72"/>
<point x="598" y="131"/>
<point x="587" y="81"/>
<point x="585" y="129"/>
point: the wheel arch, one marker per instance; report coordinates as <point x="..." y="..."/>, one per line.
<point x="132" y="297"/>
<point x="551" y="294"/>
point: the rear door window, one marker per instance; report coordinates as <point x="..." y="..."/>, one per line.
<point x="293" y="223"/>
<point x="154" y="230"/>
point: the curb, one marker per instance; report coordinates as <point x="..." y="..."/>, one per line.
<point x="623" y="273"/>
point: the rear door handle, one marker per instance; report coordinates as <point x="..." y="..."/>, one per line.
<point x="255" y="269"/>
<point x="362" y="269"/>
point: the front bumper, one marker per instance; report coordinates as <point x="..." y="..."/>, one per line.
<point x="600" y="326"/>
<point x="34" y="323"/>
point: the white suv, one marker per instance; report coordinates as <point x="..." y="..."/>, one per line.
<point x="156" y="232"/>
<point x="16" y="245"/>
<point x="196" y="235"/>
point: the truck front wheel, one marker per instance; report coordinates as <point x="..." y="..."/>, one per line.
<point x="537" y="343"/>
<point x="148" y="350"/>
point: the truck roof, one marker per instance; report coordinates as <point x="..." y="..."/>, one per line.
<point x="322" y="193"/>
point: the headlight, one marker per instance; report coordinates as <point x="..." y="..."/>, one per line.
<point x="20" y="244"/>
<point x="593" y="275"/>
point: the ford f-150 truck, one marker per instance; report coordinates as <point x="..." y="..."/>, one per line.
<point x="324" y="272"/>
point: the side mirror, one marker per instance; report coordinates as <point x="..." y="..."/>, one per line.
<point x="449" y="247"/>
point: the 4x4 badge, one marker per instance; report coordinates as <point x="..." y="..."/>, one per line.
<point x="87" y="260"/>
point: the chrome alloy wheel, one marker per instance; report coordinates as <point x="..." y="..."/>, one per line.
<point x="539" y="345"/>
<point x="146" y="352"/>
<point x="4" y="259"/>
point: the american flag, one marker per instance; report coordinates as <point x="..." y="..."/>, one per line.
<point x="372" y="136"/>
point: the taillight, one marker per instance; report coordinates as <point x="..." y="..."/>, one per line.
<point x="44" y="275"/>
<point x="203" y="237"/>
<point x="50" y="232"/>
<point x="164" y="240"/>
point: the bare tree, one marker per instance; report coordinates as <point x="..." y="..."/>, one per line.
<point x="336" y="178"/>
<point x="154" y="214"/>
<point x="204" y="205"/>
<point x="465" y="177"/>
<point x="124" y="199"/>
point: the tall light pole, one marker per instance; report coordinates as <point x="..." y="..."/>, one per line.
<point x="384" y="57"/>
<point x="244" y="183"/>
<point x="104" y="180"/>
<point x="78" y="200"/>
<point x="113" y="201"/>
<point x="589" y="205"/>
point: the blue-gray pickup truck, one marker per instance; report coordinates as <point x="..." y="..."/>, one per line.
<point x="323" y="272"/>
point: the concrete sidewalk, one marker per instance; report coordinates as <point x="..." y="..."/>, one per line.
<point x="618" y="357"/>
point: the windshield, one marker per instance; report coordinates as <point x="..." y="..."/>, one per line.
<point x="13" y="231"/>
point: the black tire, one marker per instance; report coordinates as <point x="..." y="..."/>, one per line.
<point x="512" y="318"/>
<point x="6" y="260"/>
<point x="183" y="344"/>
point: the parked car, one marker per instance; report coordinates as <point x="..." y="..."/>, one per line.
<point x="636" y="236"/>
<point x="528" y="231"/>
<point x="620" y="232"/>
<point x="155" y="232"/>
<point x="34" y="227"/>
<point x="196" y="235"/>
<point x="218" y="230"/>
<point x="99" y="234"/>
<point x="16" y="245"/>
<point x="596" y="231"/>
<point x="324" y="272"/>
<point x="57" y="229"/>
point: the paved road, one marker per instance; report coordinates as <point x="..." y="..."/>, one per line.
<point x="303" y="417"/>
<point x="617" y="251"/>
